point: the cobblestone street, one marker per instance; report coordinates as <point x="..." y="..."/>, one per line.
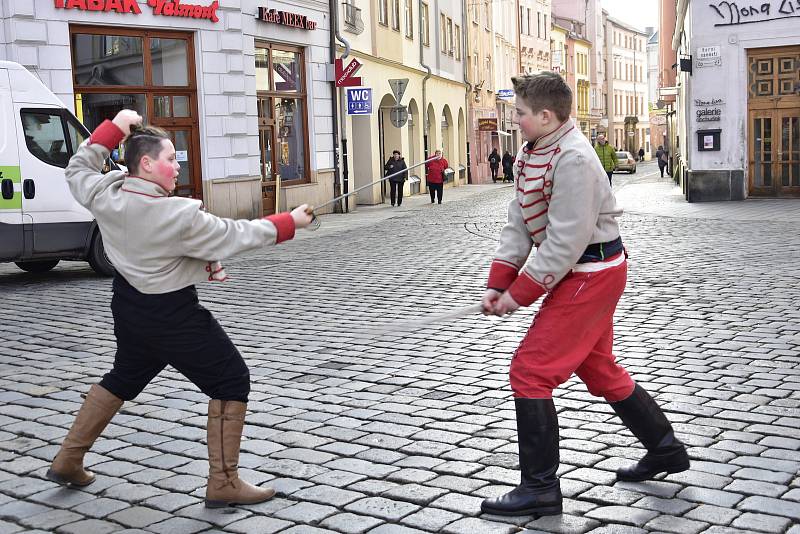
<point x="403" y="434"/>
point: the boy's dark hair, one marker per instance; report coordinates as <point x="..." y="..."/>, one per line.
<point x="396" y="152"/>
<point x="143" y="141"/>
<point x="545" y="90"/>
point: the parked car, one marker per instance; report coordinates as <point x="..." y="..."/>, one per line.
<point x="625" y="162"/>
<point x="40" y="223"/>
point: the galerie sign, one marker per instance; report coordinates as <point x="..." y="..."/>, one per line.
<point x="286" y="19"/>
<point x="166" y="8"/>
<point x="708" y="110"/>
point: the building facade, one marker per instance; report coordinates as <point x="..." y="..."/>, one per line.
<point x="571" y="56"/>
<point x="740" y="138"/>
<point x="627" y="87"/>
<point x="534" y="32"/>
<point x="483" y="120"/>
<point x="589" y="15"/>
<point x="658" y="119"/>
<point x="238" y="87"/>
<point x="420" y="44"/>
<point x="506" y="65"/>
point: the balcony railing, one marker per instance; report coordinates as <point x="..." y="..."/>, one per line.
<point x="352" y="18"/>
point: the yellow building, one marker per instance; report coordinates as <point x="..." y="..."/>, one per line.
<point x="582" y="89"/>
<point x="558" y="49"/>
<point x="405" y="40"/>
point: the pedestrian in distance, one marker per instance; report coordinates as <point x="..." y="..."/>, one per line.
<point x="607" y="155"/>
<point x="394" y="165"/>
<point x="564" y="207"/>
<point x="435" y="176"/>
<point x="494" y="163"/>
<point x="508" y="167"/>
<point x="663" y="159"/>
<point x="160" y="246"/>
<point x="641" y="154"/>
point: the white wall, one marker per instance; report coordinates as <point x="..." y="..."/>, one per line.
<point x="703" y="25"/>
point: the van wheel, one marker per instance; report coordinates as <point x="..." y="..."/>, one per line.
<point x="36" y="266"/>
<point x="97" y="257"/>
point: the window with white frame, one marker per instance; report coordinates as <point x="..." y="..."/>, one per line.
<point x="424" y="21"/>
<point x="396" y="15"/>
<point x="383" y="12"/>
<point x="450" y="43"/>
<point x="443" y="33"/>
<point x="409" y="14"/>
<point x="458" y="42"/>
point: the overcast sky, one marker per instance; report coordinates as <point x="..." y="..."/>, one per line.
<point x="637" y="13"/>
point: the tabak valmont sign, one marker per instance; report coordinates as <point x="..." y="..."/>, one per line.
<point x="166" y="8"/>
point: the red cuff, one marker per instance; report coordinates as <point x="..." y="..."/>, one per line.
<point x="107" y="134"/>
<point x="284" y="224"/>
<point x="501" y="275"/>
<point x="525" y="290"/>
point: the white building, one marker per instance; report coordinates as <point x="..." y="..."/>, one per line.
<point x="626" y="60"/>
<point x="738" y="115"/>
<point x="240" y="85"/>
<point x="534" y="32"/>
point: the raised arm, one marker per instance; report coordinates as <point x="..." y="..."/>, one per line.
<point x="83" y="171"/>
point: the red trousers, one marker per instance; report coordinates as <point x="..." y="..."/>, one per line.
<point x="573" y="333"/>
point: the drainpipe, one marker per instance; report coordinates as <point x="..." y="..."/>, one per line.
<point x="345" y="171"/>
<point x="337" y="181"/>
<point x="425" y="125"/>
<point x="465" y="65"/>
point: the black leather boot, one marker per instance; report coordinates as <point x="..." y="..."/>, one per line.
<point x="539" y="492"/>
<point x="665" y="452"/>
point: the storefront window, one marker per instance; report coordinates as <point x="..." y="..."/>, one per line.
<point x="148" y="71"/>
<point x="291" y="139"/>
<point x="170" y="62"/>
<point x="286" y="66"/>
<point x="282" y="117"/>
<point x="107" y="59"/>
<point x="93" y="108"/>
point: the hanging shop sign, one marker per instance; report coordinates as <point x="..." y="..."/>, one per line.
<point x="344" y="75"/>
<point x="166" y="8"/>
<point x="487" y="124"/>
<point x="359" y="101"/>
<point x="285" y="18"/>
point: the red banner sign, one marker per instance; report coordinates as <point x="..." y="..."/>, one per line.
<point x="166" y="8"/>
<point x="344" y="75"/>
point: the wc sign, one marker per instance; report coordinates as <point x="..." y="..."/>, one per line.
<point x="359" y="101"/>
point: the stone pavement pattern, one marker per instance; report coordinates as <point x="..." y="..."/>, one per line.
<point x="407" y="434"/>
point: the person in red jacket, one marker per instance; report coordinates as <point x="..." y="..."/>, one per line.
<point x="435" y="170"/>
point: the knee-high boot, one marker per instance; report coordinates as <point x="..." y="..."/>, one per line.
<point x="665" y="452"/>
<point x="539" y="492"/>
<point x="98" y="408"/>
<point x="225" y="425"/>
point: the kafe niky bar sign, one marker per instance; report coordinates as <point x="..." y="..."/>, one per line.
<point x="286" y="19"/>
<point x="166" y="8"/>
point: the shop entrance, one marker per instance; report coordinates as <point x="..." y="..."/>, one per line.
<point x="774" y="122"/>
<point x="151" y="72"/>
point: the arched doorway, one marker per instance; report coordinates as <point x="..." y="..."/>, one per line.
<point x="448" y="137"/>
<point x="389" y="138"/>
<point x="432" y="142"/>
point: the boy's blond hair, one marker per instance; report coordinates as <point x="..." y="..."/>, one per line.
<point x="545" y="90"/>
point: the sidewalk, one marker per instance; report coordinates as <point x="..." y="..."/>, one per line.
<point x="652" y="195"/>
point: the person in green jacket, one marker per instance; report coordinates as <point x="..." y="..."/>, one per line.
<point x="607" y="155"/>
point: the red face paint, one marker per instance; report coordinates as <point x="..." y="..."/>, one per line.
<point x="165" y="175"/>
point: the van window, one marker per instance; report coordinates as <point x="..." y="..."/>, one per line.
<point x="77" y="134"/>
<point x="44" y="137"/>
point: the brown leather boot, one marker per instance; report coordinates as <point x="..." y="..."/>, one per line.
<point x="225" y="425"/>
<point x="98" y="408"/>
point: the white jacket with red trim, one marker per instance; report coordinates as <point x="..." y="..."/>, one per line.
<point x="156" y="242"/>
<point x="563" y="203"/>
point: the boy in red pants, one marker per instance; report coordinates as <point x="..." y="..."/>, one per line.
<point x="160" y="247"/>
<point x="564" y="207"/>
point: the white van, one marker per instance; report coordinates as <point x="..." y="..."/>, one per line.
<point x="40" y="222"/>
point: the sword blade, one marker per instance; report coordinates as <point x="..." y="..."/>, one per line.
<point x="354" y="191"/>
<point x="405" y="326"/>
